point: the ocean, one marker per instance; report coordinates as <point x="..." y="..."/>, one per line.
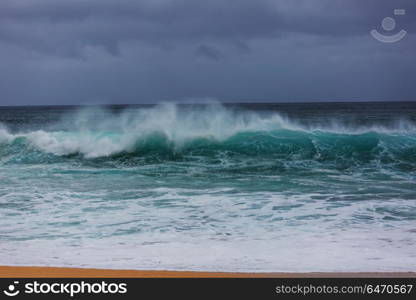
<point x="212" y="187"/>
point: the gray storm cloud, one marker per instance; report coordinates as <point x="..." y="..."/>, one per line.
<point x="102" y="51"/>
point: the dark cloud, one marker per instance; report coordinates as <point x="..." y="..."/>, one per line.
<point x="208" y="52"/>
<point x="77" y="51"/>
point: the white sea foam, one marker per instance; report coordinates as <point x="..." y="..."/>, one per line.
<point x="5" y="136"/>
<point x="196" y="230"/>
<point x="356" y="250"/>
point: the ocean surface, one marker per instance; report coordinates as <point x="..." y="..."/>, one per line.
<point x="243" y="187"/>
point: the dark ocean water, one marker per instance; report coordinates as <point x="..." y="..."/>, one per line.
<point x="259" y="187"/>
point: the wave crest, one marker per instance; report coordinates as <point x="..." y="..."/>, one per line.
<point x="208" y="131"/>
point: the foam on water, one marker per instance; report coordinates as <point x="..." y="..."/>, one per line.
<point x="208" y="188"/>
<point x="211" y="231"/>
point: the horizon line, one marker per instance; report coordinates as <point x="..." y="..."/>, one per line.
<point x="204" y="103"/>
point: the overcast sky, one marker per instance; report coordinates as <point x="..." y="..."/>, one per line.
<point x="145" y="51"/>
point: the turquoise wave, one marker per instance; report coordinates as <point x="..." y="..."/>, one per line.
<point x="276" y="145"/>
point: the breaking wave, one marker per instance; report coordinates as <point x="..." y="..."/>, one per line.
<point x="167" y="132"/>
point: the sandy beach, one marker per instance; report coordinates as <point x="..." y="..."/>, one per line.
<point x="52" y="272"/>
